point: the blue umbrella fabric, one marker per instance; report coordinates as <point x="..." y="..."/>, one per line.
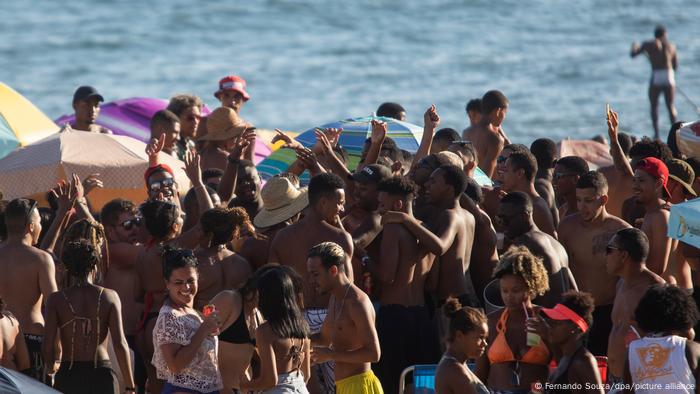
<point x="12" y="382"/>
<point x="355" y="131"/>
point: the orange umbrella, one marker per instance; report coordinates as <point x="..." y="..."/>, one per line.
<point x="121" y="161"/>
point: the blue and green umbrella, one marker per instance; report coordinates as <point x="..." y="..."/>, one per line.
<point x="355" y="131"/>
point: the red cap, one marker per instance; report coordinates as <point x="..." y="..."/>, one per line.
<point x="657" y="169"/>
<point x="232" y="82"/>
<point x="159" y="167"/>
<point x="562" y="312"/>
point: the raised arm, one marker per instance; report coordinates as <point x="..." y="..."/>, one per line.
<point x="622" y="165"/>
<point x="192" y="167"/>
<point x="438" y="242"/>
<point x="62" y="193"/>
<point x="431" y="120"/>
<point x="228" y="180"/>
<point x="379" y="131"/>
<point x="636" y="49"/>
<point x="153" y="148"/>
<point x="325" y="140"/>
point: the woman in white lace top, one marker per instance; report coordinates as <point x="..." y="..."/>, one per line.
<point x="185" y="345"/>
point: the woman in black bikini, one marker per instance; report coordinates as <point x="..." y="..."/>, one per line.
<point x="85" y="314"/>
<point x="565" y="329"/>
<point x="283" y="340"/>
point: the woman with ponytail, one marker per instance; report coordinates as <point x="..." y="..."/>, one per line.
<point x="466" y="340"/>
<point x="84" y="314"/>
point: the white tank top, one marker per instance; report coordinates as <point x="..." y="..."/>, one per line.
<point x="659" y="365"/>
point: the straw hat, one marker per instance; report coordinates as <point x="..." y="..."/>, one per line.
<point x="223" y="124"/>
<point x="281" y="201"/>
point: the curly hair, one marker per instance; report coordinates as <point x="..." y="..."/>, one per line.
<point x="665" y="309"/>
<point x="93" y="233"/>
<point x="80" y="257"/>
<point x="519" y="261"/>
<point x="463" y="319"/>
<point x="580" y="302"/>
<point x="174" y="258"/>
<point x="159" y="217"/>
<point x="651" y="148"/>
<point x="224" y="224"/>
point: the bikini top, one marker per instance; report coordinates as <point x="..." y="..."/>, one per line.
<point x="237" y="332"/>
<point x="500" y="351"/>
<point x="87" y="327"/>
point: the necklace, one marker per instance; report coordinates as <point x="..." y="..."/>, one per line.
<point x="337" y="313"/>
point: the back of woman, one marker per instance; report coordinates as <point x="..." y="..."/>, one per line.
<point x="283" y="340"/>
<point x="13" y="348"/>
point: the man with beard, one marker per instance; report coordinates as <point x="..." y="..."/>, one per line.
<point x="584" y="235"/>
<point x="167" y="124"/>
<point x="122" y="224"/>
<point x="248" y="187"/>
<point x="291" y="245"/>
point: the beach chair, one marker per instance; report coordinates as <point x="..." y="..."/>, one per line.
<point x="423" y="378"/>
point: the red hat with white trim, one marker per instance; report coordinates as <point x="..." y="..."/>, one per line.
<point x="232" y="82"/>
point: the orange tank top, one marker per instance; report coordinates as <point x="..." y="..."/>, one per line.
<point x="500" y="351"/>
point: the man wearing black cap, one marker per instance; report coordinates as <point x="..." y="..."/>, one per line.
<point x="363" y="221"/>
<point x="86" y="103"/>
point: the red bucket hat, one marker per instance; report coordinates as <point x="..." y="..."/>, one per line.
<point x="232" y="82"/>
<point x="657" y="169"/>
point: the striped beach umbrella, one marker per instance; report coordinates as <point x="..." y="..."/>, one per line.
<point x="355" y="131"/>
<point x="21" y="123"/>
<point x="132" y="117"/>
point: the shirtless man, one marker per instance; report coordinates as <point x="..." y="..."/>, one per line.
<point x="86" y="104"/>
<point x="465" y="151"/>
<point x="473" y="109"/>
<point x="248" y="186"/>
<point x="626" y="255"/>
<point x="365" y="227"/>
<point x="584" y="235"/>
<point x="402" y="270"/>
<point x="664" y="62"/>
<point x="650" y="178"/>
<point x="545" y="152"/>
<point x="348" y="336"/>
<point x="291" y="244"/>
<point x="567" y="172"/>
<point x="484" y="256"/>
<point x="450" y="235"/>
<point x="167" y="124"/>
<point x="25" y="286"/>
<point x="122" y="224"/>
<point x="515" y="216"/>
<point x="488" y="136"/>
<point x="519" y="176"/>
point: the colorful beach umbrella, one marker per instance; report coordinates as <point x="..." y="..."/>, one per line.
<point x="132" y="117"/>
<point x="355" y="131"/>
<point x="21" y="123"/>
<point x="684" y="222"/>
<point x="120" y="160"/>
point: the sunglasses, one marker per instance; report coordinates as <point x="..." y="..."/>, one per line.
<point x="32" y="205"/>
<point x="129" y="224"/>
<point x="462" y="143"/>
<point x="165" y="183"/>
<point x="609" y="249"/>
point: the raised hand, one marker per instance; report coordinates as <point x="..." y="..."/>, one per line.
<point x="92" y="182"/>
<point x="63" y="193"/>
<point x="192" y="168"/>
<point x="289" y="142"/>
<point x="242" y="142"/>
<point x="77" y="188"/>
<point x="333" y="136"/>
<point x="379" y="130"/>
<point x="393" y="217"/>
<point x="613" y="124"/>
<point x="155" y="146"/>
<point x="309" y="160"/>
<point x="323" y="142"/>
<point x="431" y="118"/>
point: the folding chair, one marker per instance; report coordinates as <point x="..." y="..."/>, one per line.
<point x="423" y="379"/>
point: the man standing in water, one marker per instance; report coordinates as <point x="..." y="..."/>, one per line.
<point x="662" y="56"/>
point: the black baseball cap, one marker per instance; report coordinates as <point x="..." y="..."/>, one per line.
<point x="373" y="173"/>
<point x="85" y="92"/>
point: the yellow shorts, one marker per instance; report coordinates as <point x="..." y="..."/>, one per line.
<point x="364" y="383"/>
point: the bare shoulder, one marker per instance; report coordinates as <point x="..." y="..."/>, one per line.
<point x="658" y="217"/>
<point x="110" y="295"/>
<point x="568" y="224"/>
<point x="615" y="223"/>
<point x="264" y="332"/>
<point x="359" y="301"/>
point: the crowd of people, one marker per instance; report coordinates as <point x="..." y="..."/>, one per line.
<point x="556" y="278"/>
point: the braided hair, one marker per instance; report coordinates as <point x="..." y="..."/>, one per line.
<point x="93" y="233"/>
<point x="80" y="257"/>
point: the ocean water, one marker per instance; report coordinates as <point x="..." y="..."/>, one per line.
<point x="308" y="62"/>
